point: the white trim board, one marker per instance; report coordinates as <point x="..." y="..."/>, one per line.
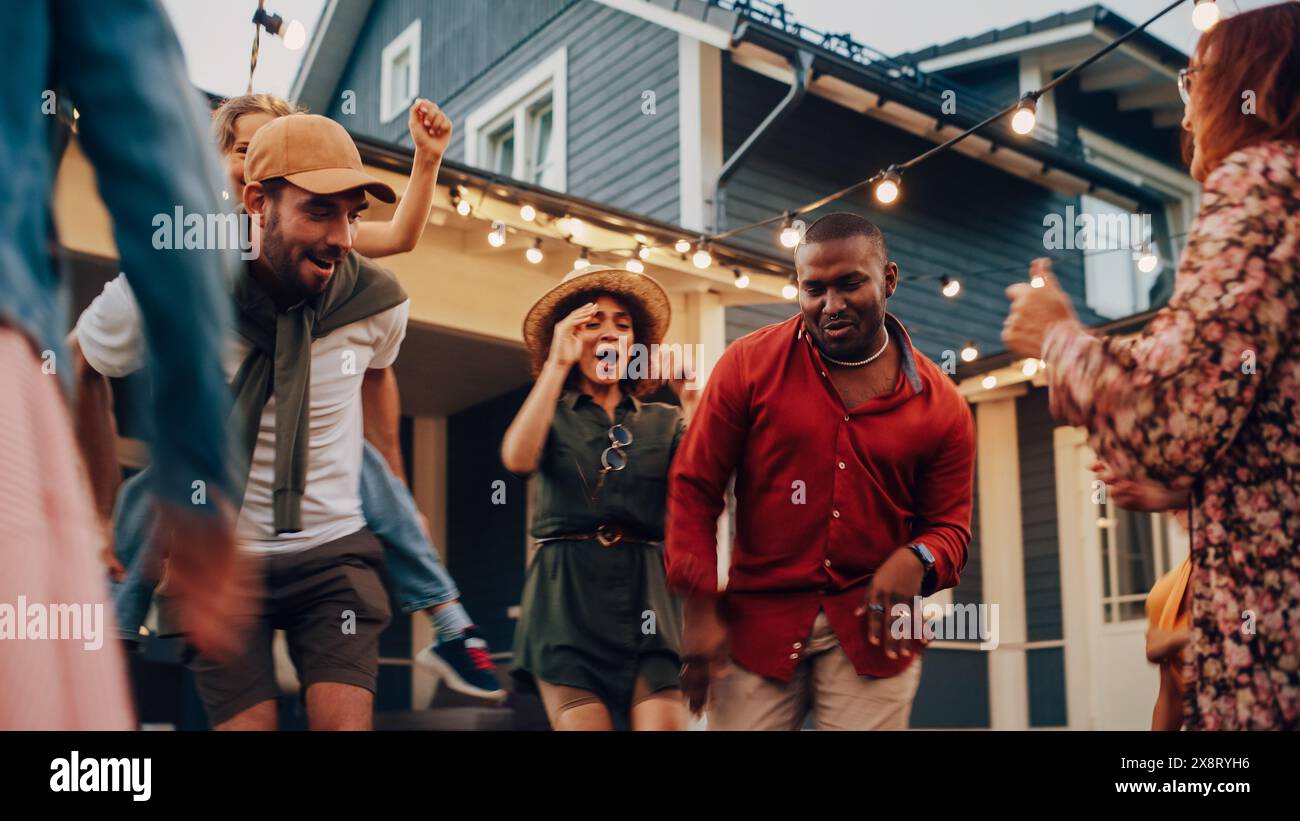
<point x="674" y="21"/>
<point x="699" y="126"/>
<point x="553" y="71"/>
<point x="408" y="39"/>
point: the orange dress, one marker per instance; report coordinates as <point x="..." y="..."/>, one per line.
<point x="1164" y="604"/>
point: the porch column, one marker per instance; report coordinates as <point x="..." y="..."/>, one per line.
<point x="429" y="487"/>
<point x="1003" y="565"/>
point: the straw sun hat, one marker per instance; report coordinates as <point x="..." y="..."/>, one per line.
<point x="647" y="294"/>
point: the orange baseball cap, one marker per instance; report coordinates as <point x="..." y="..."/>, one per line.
<point x="312" y="152"/>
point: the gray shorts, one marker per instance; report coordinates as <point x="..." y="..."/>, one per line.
<point x="331" y="603"/>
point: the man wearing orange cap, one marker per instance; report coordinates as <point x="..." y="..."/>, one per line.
<point x="311" y="320"/>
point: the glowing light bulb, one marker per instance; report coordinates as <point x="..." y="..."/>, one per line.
<point x="887" y="188"/>
<point x="582" y="261"/>
<point x="951" y="287"/>
<point x="969" y="353"/>
<point x="295" y="35"/>
<point x="742" y="280"/>
<point x="527" y="213"/>
<point x="497" y="236"/>
<point x="989" y="382"/>
<point x="1026" y="116"/>
<point x="634" y="265"/>
<point x="462" y="207"/>
<point x="1037" y="282"/>
<point x="534" y="254"/>
<point x="789" y="291"/>
<point x="682" y="246"/>
<point x="643" y="252"/>
<point x="702" y="258"/>
<point x="1205" y="15"/>
<point x="1030" y="367"/>
<point x="1148" y="261"/>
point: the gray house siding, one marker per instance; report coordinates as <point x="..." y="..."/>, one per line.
<point x="1038" y="516"/>
<point x="955" y="216"/>
<point x="615" y="154"/>
<point x="458" y="41"/>
<point x="1045" y="666"/>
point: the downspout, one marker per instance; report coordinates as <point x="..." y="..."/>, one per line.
<point x="802" y="68"/>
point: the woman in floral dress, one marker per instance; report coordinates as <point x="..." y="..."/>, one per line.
<point x="1207" y="398"/>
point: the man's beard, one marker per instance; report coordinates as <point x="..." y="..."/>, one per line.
<point x="851" y="350"/>
<point x="279" y="258"/>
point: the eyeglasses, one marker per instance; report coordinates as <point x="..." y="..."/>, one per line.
<point x="1185" y="83"/>
<point x="612" y="459"/>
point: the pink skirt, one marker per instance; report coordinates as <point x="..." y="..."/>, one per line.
<point x="61" y="666"/>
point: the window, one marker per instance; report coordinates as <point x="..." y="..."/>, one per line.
<point x="1134" y="555"/>
<point x="520" y="131"/>
<point x="399" y="82"/>
<point x="1113" y="238"/>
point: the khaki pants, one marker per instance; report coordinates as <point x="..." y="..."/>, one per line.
<point x="825" y="683"/>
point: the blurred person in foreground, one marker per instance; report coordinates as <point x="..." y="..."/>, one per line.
<point x="1207" y="398"/>
<point x="143" y="128"/>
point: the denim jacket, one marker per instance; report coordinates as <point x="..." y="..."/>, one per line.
<point x="145" y="130"/>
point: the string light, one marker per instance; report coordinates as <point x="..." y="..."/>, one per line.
<point x="742" y="280"/>
<point x="886" y="184"/>
<point x="534" y="254"/>
<point x="462" y="205"/>
<point x="497" y="236"/>
<point x="887" y="188"/>
<point x="702" y="258"/>
<point x="1030" y="367"/>
<point x="527" y="213"/>
<point x="1037" y="282"/>
<point x="1026" y="116"/>
<point x="970" y="353"/>
<point x="790" y="235"/>
<point x="1205" y="15"/>
<point x="989" y="382"/>
<point x="634" y="265"/>
<point x="1148" y="261"/>
<point x="294" y="34"/>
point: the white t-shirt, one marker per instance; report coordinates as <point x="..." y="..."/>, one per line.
<point x="111" y="339"/>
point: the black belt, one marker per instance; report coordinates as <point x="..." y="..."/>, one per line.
<point x="607" y="535"/>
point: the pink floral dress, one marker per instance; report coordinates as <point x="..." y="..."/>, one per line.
<point x="1208" y="397"/>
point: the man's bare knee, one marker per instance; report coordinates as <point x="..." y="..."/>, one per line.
<point x="261" y="716"/>
<point x="335" y="706"/>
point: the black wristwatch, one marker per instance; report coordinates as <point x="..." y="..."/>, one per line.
<point x="923" y="553"/>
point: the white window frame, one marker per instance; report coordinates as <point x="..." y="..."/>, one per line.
<point x="513" y="104"/>
<point x="1138" y="283"/>
<point x="409" y="39"/>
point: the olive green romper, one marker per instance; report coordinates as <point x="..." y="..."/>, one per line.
<point x="596" y="617"/>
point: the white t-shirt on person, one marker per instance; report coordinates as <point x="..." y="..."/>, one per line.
<point x="111" y="339"/>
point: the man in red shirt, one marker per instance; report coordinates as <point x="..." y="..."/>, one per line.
<point x="853" y="458"/>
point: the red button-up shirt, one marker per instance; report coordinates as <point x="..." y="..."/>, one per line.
<point x="824" y="494"/>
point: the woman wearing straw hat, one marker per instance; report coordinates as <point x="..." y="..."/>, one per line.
<point x="599" y="631"/>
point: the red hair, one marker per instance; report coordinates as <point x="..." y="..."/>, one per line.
<point x="1256" y="51"/>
